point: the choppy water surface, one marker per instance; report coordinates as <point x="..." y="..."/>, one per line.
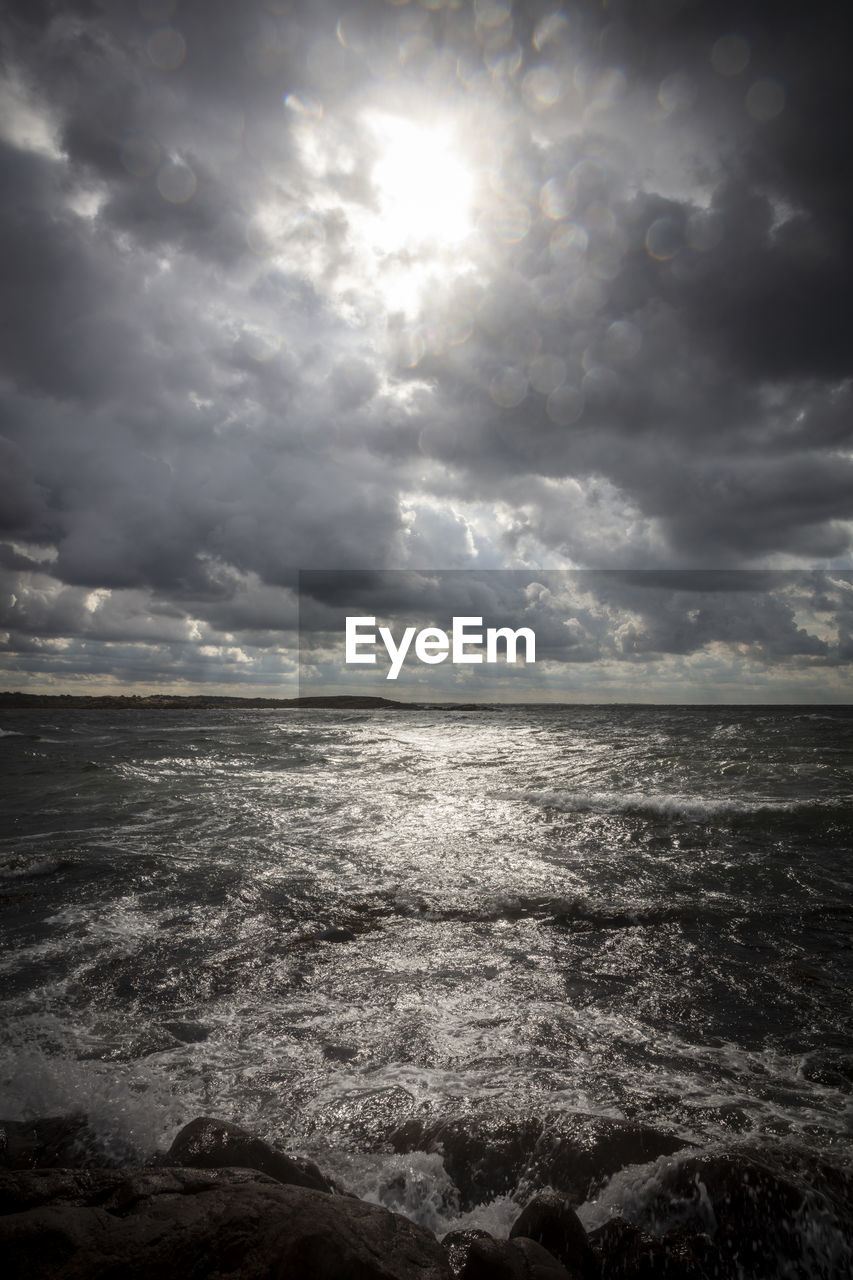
<point x="643" y="912"/>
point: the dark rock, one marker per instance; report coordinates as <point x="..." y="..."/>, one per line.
<point x="188" y="1032"/>
<point x="339" y="1052"/>
<point x="488" y="1154"/>
<point x="756" y="1215"/>
<point x="627" y="1253"/>
<point x="457" y="1245"/>
<point x="489" y="1259"/>
<point x="364" y="1121"/>
<point x="578" y="1153"/>
<point x="539" y="1263"/>
<point x="53" y="1143"/>
<point x="206" y="1143"/>
<point x="550" y="1220"/>
<point x="517" y="1259"/>
<point x="484" y="1153"/>
<point x="145" y="1225"/>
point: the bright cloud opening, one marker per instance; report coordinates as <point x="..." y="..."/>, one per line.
<point x="425" y="192"/>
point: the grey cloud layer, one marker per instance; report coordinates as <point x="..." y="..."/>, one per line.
<point x="789" y="630"/>
<point x="645" y="362"/>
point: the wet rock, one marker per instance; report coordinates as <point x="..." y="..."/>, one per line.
<point x="627" y="1253"/>
<point x="517" y="1259"/>
<point x="457" y="1246"/>
<point x="339" y="1052"/>
<point x="140" y="1225"/>
<point x="819" y="1175"/>
<point x="577" y="1153"/>
<point x="757" y="1216"/>
<point x="489" y="1154"/>
<point x="540" y="1263"/>
<point x="489" y="1259"/>
<point x="485" y="1154"/>
<point x="206" y="1143"/>
<point x="53" y="1143"/>
<point x="364" y="1121"/>
<point x="550" y="1220"/>
<point x="187" y="1032"/>
<point x="752" y="1213"/>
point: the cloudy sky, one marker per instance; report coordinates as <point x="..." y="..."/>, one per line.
<point x="437" y="285"/>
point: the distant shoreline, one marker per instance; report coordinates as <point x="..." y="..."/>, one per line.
<point x="180" y="702"/>
<point x="13" y="701"/>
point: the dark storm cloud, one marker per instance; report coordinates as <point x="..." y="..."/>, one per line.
<point x="207" y="381"/>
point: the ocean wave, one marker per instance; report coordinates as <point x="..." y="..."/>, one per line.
<point x="819" y="715"/>
<point x="36" y="867"/>
<point x="585" y="912"/>
<point x="672" y="805"/>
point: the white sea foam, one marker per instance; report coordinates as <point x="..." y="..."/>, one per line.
<point x="418" y="1186"/>
<point x="654" y="804"/>
<point x="630" y="1191"/>
<point x="34" y="867"/>
<point x="130" y="1107"/>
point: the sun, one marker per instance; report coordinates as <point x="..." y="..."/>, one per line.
<point x="424" y="191"/>
<point x="406" y="188"/>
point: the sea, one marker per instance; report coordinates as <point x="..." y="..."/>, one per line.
<point x="316" y="923"/>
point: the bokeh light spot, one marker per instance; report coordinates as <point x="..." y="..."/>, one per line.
<point x="664" y="238"/>
<point x="622" y="341"/>
<point x="501" y="57"/>
<point x="492" y="13"/>
<point x="167" y="48"/>
<point x="599" y="384"/>
<point x="765" y="100"/>
<point x="409" y="348"/>
<point x="730" y="55"/>
<point x="586" y="296"/>
<point x="140" y="155"/>
<point x="541" y="88"/>
<point x="458" y="327"/>
<point x="557" y="198"/>
<point x="508" y="387"/>
<point x="565" y="405"/>
<point x="547" y="373"/>
<point x="549" y="292"/>
<point x="552" y="27"/>
<point x="176" y="182"/>
<point x="569" y="243"/>
<point x="306" y="108"/>
<point x="509" y="221"/>
<point x="678" y="92"/>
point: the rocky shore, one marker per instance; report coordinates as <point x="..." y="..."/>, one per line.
<point x="224" y="1203"/>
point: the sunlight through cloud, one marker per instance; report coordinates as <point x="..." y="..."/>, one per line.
<point x="424" y="190"/>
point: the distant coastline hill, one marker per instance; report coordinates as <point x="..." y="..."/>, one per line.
<point x="178" y="702"/>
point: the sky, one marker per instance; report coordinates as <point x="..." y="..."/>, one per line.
<point x="411" y="288"/>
